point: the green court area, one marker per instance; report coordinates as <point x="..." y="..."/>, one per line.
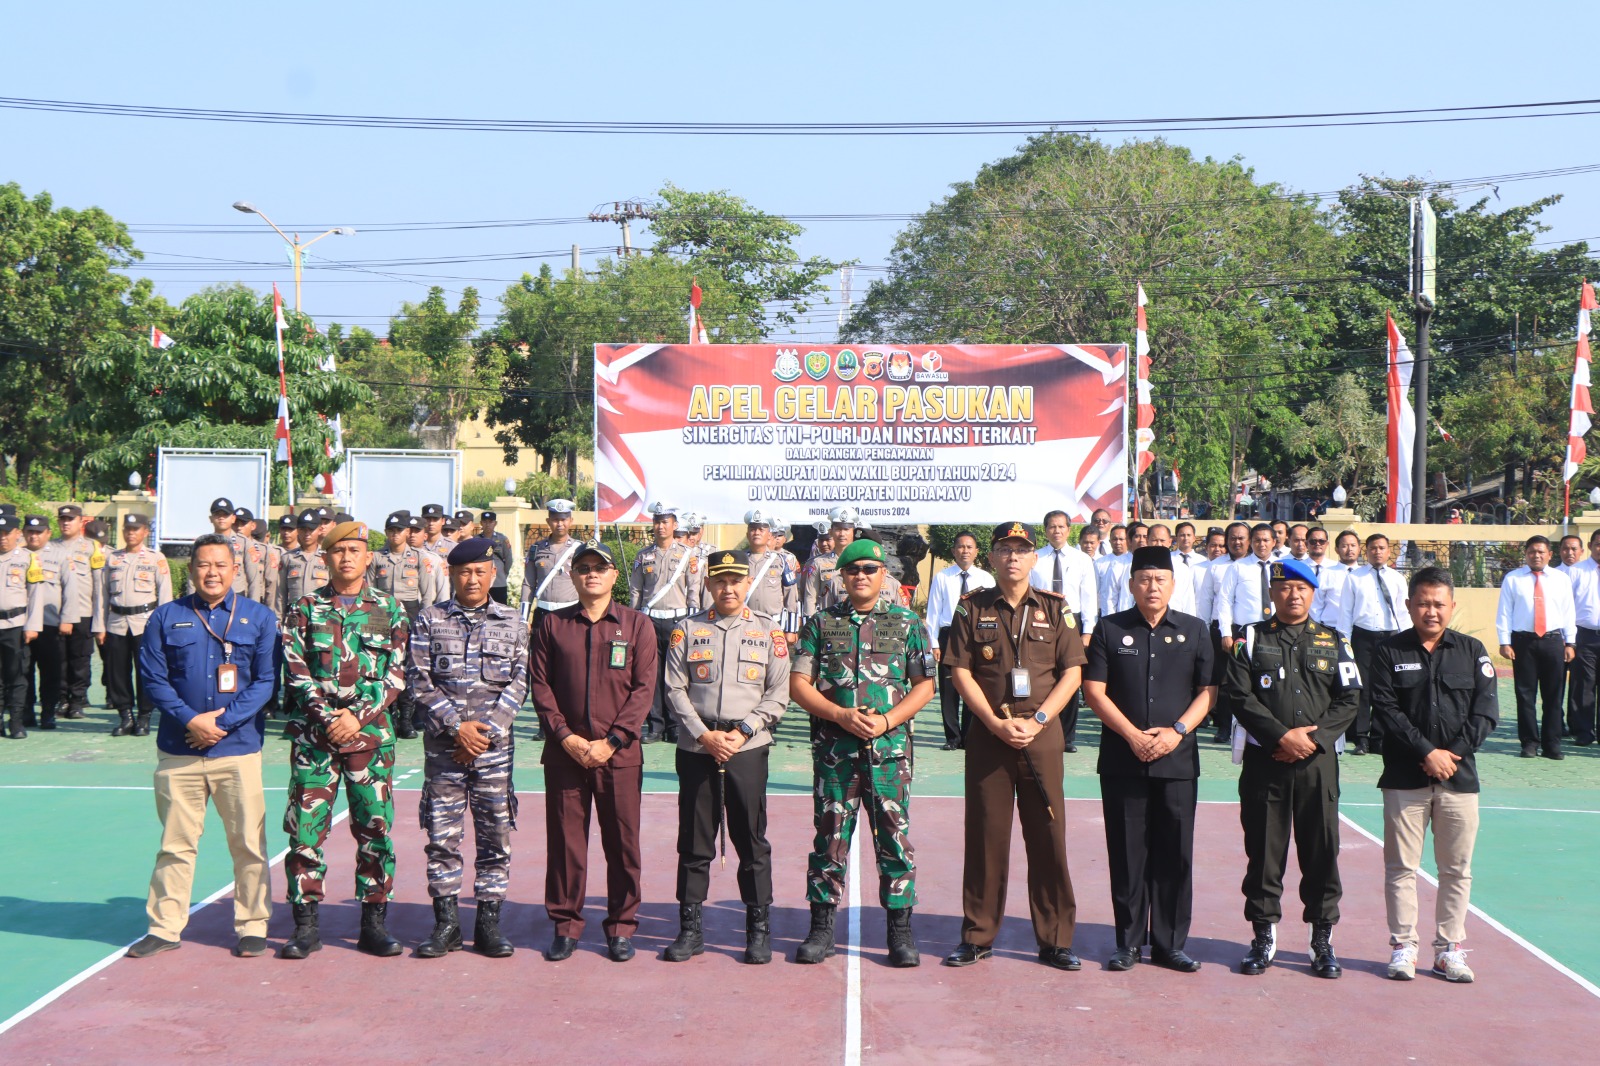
<point x="79" y="814"/>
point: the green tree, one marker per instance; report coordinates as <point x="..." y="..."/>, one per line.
<point x="394" y="377"/>
<point x="459" y="376"/>
<point x="60" y="293"/>
<point x="216" y="388"/>
<point x="1047" y="245"/>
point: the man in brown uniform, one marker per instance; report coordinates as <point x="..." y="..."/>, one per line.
<point x="136" y="580"/>
<point x="1017" y="657"/>
<point x="591" y="674"/>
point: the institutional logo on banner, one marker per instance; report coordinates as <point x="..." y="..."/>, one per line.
<point x="960" y="433"/>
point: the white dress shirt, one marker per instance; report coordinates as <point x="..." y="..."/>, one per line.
<point x="945" y="592"/>
<point x="1242" y="600"/>
<point x="1111" y="577"/>
<point x="1585" y="577"/>
<point x="1078" y="581"/>
<point x="1330" y="581"/>
<point x="1515" y="614"/>
<point x="1211" y="590"/>
<point x="1364" y="605"/>
<point x="1188" y="573"/>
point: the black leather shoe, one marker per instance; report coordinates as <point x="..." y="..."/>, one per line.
<point x="1263" y="949"/>
<point x="1360" y="748"/>
<point x="1123" y="959"/>
<point x="561" y="948"/>
<point x="966" y="954"/>
<point x="1555" y="754"/>
<point x="1072" y="749"/>
<point x="620" y="948"/>
<point x="152" y="945"/>
<point x="1175" y="960"/>
<point x="250" y="947"/>
<point x="1324" y="963"/>
<point x="950" y="745"/>
<point x="1530" y="751"/>
<point x="1060" y="958"/>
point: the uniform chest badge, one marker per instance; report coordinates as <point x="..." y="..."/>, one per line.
<point x="1166" y="640"/>
<point x="1182" y="638"/>
<point x="988" y="652"/>
<point x="1127" y="641"/>
<point x="1266" y="680"/>
<point x="702" y="671"/>
<point x="1319" y="664"/>
<point x="1038" y="616"/>
<point x="752" y="673"/>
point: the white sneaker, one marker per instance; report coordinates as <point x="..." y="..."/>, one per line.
<point x="1403" y="963"/>
<point x="1451" y="964"/>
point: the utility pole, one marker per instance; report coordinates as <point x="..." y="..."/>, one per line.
<point x="623" y="212"/>
<point x="1424" y="257"/>
<point x="577" y="265"/>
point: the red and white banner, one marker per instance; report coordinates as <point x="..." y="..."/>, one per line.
<point x="697" y="328"/>
<point x="1581" y="406"/>
<point x="902" y="433"/>
<point x="285" y="453"/>
<point x="160" y="340"/>
<point x="1402" y="427"/>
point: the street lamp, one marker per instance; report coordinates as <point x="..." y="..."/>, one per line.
<point x="294" y="242"/>
<point x="1594" y="495"/>
<point x="1339" y="495"/>
<point x="511" y="486"/>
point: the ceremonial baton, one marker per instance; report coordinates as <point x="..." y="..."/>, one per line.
<point x="1033" y="772"/>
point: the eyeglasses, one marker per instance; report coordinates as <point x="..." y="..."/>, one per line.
<point x="861" y="571"/>
<point x="1004" y="551"/>
<point x="583" y="571"/>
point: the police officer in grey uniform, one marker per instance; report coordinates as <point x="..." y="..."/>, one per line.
<point x="547" y="570"/>
<point x="247" y="580"/>
<point x="814" y="578"/>
<point x="487" y="521"/>
<point x="79" y="557"/>
<point x="244" y="525"/>
<point x="434" y="538"/>
<point x="665" y="585"/>
<point x="1295" y="686"/>
<point x="468" y="665"/>
<point x="135" y="581"/>
<point x="727" y="680"/>
<point x="400" y="570"/>
<point x="14" y="653"/>
<point x="42" y="624"/>
<point x="774" y="587"/>
<point x="303" y="570"/>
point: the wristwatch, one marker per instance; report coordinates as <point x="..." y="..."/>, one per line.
<point x="1041" y="717"/>
<point x="615" y="741"/>
<point x="1179" y="728"/>
<point x="744" y="727"/>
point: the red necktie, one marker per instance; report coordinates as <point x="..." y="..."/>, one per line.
<point x="1538" y="606"/>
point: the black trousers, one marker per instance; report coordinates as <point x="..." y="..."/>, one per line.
<point x="739" y="794"/>
<point x="118" y="655"/>
<point x="14" y="660"/>
<point x="1222" y="713"/>
<point x="497" y="593"/>
<point x="1365" y="728"/>
<point x="49" y="657"/>
<point x="1538" y="673"/>
<point x="1581" y="686"/>
<point x="1277" y="801"/>
<point x="660" y="718"/>
<point x="1069" y="713"/>
<point x="78" y="654"/>
<point x="1150" y="855"/>
<point x="951" y="707"/>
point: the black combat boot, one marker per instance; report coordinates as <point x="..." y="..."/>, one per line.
<point x="446" y="935"/>
<point x="1324" y="963"/>
<point x="141" y="724"/>
<point x="902" y="945"/>
<point x="818" y="944"/>
<point x="691" y="938"/>
<point x="305" y="939"/>
<point x="404" y="726"/>
<point x="375" y="939"/>
<point x="1262" y="949"/>
<point x="757" y="935"/>
<point x="47" y="718"/>
<point x="124" y="726"/>
<point x="486" y="936"/>
<point x="17" y="731"/>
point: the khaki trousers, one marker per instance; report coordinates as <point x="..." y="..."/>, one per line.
<point x="183" y="784"/>
<point x="1406" y="814"/>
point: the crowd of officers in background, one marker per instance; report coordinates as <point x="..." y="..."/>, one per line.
<point x="858" y="650"/>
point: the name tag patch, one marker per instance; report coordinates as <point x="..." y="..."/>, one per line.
<point x="1404" y="668"/>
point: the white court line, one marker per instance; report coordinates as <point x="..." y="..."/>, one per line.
<point x="1486" y="807"/>
<point x="77" y="979"/>
<point x="1533" y="949"/>
<point x="852" y="966"/>
<point x="86" y="788"/>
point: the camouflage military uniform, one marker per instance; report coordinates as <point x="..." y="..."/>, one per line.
<point x="352" y="659"/>
<point x="468" y="665"/>
<point x="862" y="660"/>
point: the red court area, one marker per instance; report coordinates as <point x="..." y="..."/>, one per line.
<point x="201" y="1003"/>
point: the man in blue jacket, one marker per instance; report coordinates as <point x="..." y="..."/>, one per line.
<point x="207" y="663"/>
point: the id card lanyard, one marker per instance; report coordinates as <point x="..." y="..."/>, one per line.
<point x="227" y="673"/>
<point x="1021" y="680"/>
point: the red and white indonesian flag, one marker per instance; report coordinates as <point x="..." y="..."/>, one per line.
<point x="282" y="431"/>
<point x="1402" y="426"/>
<point x="903" y="433"/>
<point x="1582" y="408"/>
<point x="334" y="484"/>
<point x="160" y="340"/>
<point x="697" y="328"/>
<point x="1145" y="435"/>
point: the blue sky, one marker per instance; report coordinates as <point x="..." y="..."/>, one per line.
<point x="708" y="62"/>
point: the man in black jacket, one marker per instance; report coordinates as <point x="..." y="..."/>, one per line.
<point x="1433" y="690"/>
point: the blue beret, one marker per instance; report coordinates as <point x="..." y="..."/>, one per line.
<point x="472" y="550"/>
<point x="1294" y="570"/>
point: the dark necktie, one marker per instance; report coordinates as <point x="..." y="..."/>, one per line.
<point x="1266" y="588"/>
<point x="1055" y="582"/>
<point x="1388" y="603"/>
<point x="963" y="583"/>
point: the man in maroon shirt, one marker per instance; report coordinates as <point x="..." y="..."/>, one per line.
<point x="591" y="675"/>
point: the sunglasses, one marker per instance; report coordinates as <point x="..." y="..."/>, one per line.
<point x="582" y="570"/>
<point x="861" y="571"/>
<point x="1317" y="540"/>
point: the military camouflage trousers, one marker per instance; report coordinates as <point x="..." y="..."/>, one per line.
<point x="849" y="771"/>
<point x="313" y="786"/>
<point x="448" y="791"/>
